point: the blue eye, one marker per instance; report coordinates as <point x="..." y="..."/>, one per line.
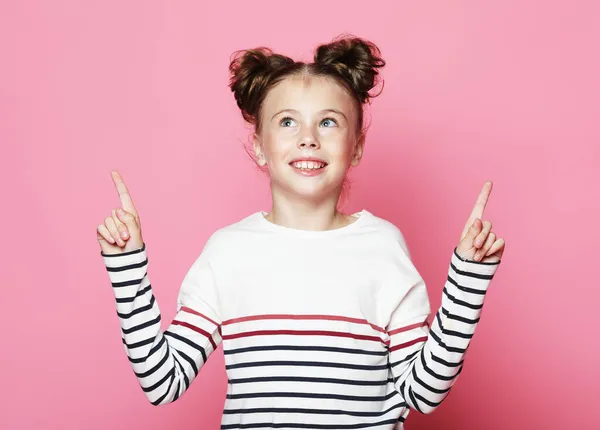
<point x="329" y="119"/>
<point x="283" y="120"/>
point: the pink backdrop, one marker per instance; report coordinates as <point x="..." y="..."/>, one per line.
<point x="474" y="91"/>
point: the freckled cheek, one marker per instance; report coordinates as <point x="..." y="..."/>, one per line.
<point x="337" y="148"/>
<point x="334" y="135"/>
<point x="278" y="151"/>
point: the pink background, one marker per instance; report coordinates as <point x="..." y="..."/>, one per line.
<point x="505" y="91"/>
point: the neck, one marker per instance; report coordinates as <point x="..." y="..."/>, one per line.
<point x="303" y="214"/>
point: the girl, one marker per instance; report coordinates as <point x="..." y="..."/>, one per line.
<point x="322" y="315"/>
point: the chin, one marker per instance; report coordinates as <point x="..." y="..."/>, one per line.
<point x="307" y="191"/>
<point x="316" y="187"/>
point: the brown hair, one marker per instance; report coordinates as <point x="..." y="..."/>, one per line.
<point x="351" y="61"/>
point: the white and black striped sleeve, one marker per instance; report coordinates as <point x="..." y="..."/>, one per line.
<point x="165" y="363"/>
<point x="426" y="361"/>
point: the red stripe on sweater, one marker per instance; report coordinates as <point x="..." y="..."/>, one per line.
<point x="191" y="311"/>
<point x="408" y="327"/>
<point x="303" y="317"/>
<point x="198" y="330"/>
<point x="409" y="343"/>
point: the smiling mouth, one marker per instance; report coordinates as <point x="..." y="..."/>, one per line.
<point x="308" y="165"/>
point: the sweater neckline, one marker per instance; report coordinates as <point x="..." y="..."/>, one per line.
<point x="360" y="218"/>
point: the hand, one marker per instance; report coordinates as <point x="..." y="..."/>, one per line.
<point x="122" y="230"/>
<point x="477" y="241"/>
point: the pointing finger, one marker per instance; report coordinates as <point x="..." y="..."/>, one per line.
<point x="126" y="200"/>
<point x="479" y="207"/>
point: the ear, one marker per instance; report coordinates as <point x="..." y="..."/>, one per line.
<point x="260" y="156"/>
<point x="358" y="150"/>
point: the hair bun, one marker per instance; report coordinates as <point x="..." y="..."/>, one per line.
<point x="250" y="71"/>
<point x="355" y="59"/>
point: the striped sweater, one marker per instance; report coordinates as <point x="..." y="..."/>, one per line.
<point x="320" y="329"/>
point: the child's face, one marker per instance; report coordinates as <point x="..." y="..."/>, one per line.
<point x="312" y="118"/>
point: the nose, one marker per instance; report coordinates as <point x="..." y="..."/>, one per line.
<point x="308" y="141"/>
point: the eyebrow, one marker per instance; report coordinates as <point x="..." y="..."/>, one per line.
<point x="322" y="111"/>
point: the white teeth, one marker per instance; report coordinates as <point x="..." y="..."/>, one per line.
<point x="308" y="164"/>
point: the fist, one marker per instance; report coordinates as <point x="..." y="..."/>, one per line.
<point x="121" y="231"/>
<point x="481" y="244"/>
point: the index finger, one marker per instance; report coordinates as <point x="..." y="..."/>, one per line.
<point x="480" y="204"/>
<point x="126" y="201"/>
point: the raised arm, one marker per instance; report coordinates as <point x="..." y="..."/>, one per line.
<point x="426" y="362"/>
<point x="165" y="363"/>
